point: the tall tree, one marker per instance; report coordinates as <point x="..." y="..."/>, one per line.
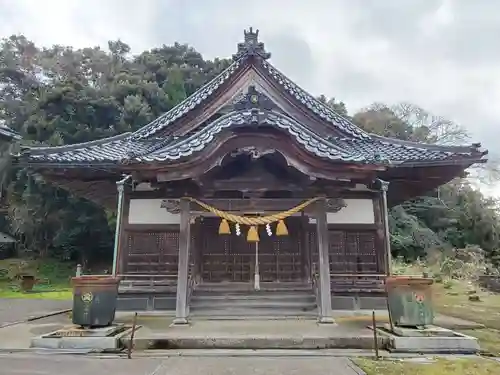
<point x="458" y="214"/>
<point x="59" y="95"/>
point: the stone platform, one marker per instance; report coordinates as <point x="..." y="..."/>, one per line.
<point x="430" y="339"/>
<point x="158" y="333"/>
<point x="73" y="337"/>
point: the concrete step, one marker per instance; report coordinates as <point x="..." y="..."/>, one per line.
<point x="249" y="288"/>
<point x="246" y="304"/>
<point x="235" y="312"/>
<point x="346" y="340"/>
<point x="201" y="290"/>
<point x="216" y="298"/>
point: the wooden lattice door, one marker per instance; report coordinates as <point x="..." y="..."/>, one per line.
<point x="151" y="255"/>
<point x="280" y="257"/>
<point x="224" y="257"/>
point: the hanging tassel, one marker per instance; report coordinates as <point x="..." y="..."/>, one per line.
<point x="253" y="234"/>
<point x="281" y="229"/>
<point x="224" y="227"/>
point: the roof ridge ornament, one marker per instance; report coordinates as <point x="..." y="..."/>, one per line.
<point x="251" y="46"/>
<point x="254" y="99"/>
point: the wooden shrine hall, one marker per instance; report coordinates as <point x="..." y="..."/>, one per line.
<point x="251" y="197"/>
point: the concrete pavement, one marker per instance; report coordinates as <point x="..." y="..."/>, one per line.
<point x="32" y="364"/>
<point x="17" y="310"/>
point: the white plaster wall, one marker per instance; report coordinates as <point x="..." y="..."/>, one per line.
<point x="357" y="211"/>
<point x="149" y="211"/>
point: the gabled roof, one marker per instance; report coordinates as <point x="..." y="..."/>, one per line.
<point x="242" y="58"/>
<point x="376" y="150"/>
<point x="349" y="144"/>
<point x="8" y="133"/>
<point x="6" y="238"/>
<point x="195" y="100"/>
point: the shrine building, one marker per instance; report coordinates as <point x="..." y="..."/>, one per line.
<point x="251" y="197"/>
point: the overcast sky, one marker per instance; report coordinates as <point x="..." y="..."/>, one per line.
<point x="443" y="55"/>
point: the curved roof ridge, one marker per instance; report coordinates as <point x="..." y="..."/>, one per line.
<point x="324" y="111"/>
<point x="8" y="132"/>
<point x="313" y="142"/>
<point x="189" y="103"/>
<point x="76" y="146"/>
<point x="269" y="116"/>
<point x="428" y="146"/>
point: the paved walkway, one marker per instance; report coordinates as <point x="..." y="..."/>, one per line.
<point x="15" y="310"/>
<point x="76" y="365"/>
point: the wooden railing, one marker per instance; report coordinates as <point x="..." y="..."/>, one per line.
<point x="191" y="285"/>
<point x="315" y="285"/>
<point x="357" y="282"/>
<point x="148" y="282"/>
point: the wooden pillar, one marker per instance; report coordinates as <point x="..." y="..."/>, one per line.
<point x="325" y="308"/>
<point x="120" y="186"/>
<point x="384" y="187"/>
<point x="181" y="309"/>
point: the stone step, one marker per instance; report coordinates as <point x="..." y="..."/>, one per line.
<point x="254" y="304"/>
<point x="289" y="343"/>
<point x="242" y="313"/>
<point x="215" y="298"/>
<point x="249" y="287"/>
<point x="248" y="291"/>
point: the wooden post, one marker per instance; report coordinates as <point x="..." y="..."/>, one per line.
<point x="120" y="186"/>
<point x="384" y="186"/>
<point x="183" y="264"/>
<point x="324" y="264"/>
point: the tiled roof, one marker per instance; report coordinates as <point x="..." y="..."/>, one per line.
<point x="188" y="104"/>
<point x="205" y="92"/>
<point x="8" y="133"/>
<point x="111" y="149"/>
<point x="373" y="150"/>
<point x="376" y="150"/>
<point x="313" y="104"/>
<point x="146" y="144"/>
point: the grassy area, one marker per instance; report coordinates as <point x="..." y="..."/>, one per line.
<point x="452" y="299"/>
<point x="54" y="279"/>
<point x="460" y="366"/>
<point x="56" y="294"/>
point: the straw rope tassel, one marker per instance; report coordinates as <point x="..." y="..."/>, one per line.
<point x="224" y="227"/>
<point x="260" y="220"/>
<point x="281" y="229"/>
<point x="253" y="234"/>
<point x="254" y="222"/>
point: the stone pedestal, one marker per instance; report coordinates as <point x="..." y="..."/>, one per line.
<point x="430" y="339"/>
<point x="76" y="338"/>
